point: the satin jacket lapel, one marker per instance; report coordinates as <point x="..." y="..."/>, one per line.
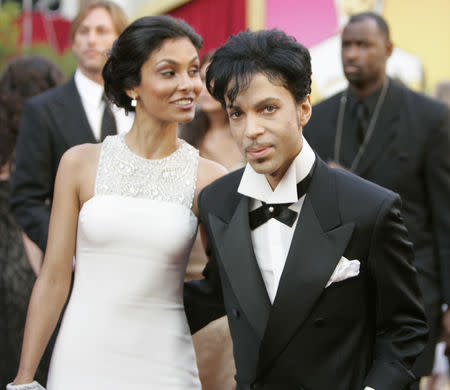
<point x="71" y="117"/>
<point x="234" y="244"/>
<point x="386" y="128"/>
<point x="317" y="245"/>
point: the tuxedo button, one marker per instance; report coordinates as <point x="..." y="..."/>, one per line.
<point x="270" y="209"/>
<point x="319" y="322"/>
<point x="235" y="313"/>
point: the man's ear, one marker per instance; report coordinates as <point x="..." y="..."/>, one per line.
<point x="304" y="109"/>
<point x="389" y="48"/>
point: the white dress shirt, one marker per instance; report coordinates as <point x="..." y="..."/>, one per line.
<point x="271" y="240"/>
<point x="91" y="98"/>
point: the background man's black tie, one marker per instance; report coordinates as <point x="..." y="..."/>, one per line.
<point x="363" y="120"/>
<point x="108" y="121"/>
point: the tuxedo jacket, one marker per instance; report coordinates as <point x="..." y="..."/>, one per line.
<point x="408" y="153"/>
<point x="364" y="330"/>
<point x="51" y="123"/>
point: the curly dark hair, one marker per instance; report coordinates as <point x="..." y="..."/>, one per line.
<point x="22" y="78"/>
<point x="134" y="46"/>
<point x="271" y="52"/>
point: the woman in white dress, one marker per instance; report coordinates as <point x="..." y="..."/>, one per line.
<point x="127" y="210"/>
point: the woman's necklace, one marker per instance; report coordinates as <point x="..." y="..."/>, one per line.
<point x="370" y="128"/>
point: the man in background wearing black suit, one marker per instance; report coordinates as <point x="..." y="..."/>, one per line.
<point x="71" y="114"/>
<point x="392" y="136"/>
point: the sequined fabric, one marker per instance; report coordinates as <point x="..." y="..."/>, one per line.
<point x="171" y="179"/>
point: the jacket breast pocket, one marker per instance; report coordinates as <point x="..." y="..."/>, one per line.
<point x="345" y="299"/>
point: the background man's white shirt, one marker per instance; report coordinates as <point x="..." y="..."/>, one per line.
<point x="91" y="98"/>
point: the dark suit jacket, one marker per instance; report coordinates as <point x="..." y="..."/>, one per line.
<point x="51" y="123"/>
<point x="409" y="153"/>
<point x="366" y="330"/>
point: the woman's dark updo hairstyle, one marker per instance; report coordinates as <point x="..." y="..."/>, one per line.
<point x="132" y="49"/>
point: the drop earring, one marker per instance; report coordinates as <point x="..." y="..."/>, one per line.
<point x="133" y="101"/>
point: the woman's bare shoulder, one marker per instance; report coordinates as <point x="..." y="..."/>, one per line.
<point x="78" y="161"/>
<point x="81" y="155"/>
<point x="208" y="171"/>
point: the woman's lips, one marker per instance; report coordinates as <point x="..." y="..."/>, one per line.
<point x="184" y="103"/>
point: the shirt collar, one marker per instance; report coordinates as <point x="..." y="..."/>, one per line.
<point x="89" y="90"/>
<point x="256" y="186"/>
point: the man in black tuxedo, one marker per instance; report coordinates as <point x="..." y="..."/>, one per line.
<point x="71" y="114"/>
<point x="312" y="265"/>
<point x="399" y="139"/>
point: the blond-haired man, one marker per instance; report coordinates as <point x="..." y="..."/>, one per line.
<point x="71" y="114"/>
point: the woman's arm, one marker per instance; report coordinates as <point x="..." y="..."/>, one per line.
<point x="34" y="253"/>
<point x="208" y="171"/>
<point x="52" y="286"/>
<point x="203" y="298"/>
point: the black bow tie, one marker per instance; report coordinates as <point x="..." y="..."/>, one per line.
<point x="279" y="211"/>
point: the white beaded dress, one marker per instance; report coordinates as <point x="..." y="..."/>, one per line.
<point x="125" y="326"/>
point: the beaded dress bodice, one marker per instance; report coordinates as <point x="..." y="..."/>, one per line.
<point x="171" y="179"/>
<point x="125" y="325"/>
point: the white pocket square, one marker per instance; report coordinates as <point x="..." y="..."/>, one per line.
<point x="344" y="270"/>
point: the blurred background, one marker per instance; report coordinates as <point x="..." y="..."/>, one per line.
<point x="420" y="31"/>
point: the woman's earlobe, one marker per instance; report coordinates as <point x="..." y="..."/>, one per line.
<point x="133" y="97"/>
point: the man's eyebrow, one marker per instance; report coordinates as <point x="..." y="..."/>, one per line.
<point x="267" y="100"/>
<point x="258" y="103"/>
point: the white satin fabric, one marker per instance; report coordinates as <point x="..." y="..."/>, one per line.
<point x="125" y="325"/>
